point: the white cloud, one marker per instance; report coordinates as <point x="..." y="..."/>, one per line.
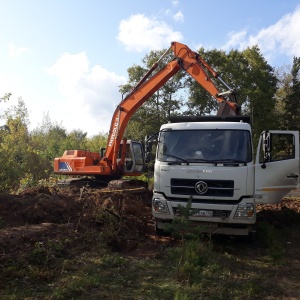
<point x="175" y="2"/>
<point x="284" y="35"/>
<point x="69" y="69"/>
<point x="14" y="51"/>
<point x="166" y="12"/>
<point x="90" y="94"/>
<point x="140" y="33"/>
<point x="178" y="17"/>
<point x="279" y="38"/>
<point x="235" y="38"/>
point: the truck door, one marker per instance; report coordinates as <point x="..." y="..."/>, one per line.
<point x="276" y="166"/>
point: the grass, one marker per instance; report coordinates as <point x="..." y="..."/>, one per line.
<point x="210" y="270"/>
<point x="83" y="263"/>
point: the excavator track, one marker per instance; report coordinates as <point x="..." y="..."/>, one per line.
<point x="113" y="185"/>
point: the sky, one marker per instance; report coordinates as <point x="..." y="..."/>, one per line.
<point x="67" y="58"/>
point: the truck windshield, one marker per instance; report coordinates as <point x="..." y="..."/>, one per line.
<point x="205" y="146"/>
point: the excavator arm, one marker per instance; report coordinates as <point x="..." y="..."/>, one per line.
<point x="129" y="106"/>
<point x="82" y="162"/>
<point x="185" y="59"/>
<point x="197" y="67"/>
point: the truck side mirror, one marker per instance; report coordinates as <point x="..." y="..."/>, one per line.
<point x="148" y="147"/>
<point x="149" y="156"/>
<point x="149" y="141"/>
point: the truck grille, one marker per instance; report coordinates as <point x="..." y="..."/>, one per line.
<point x="215" y="188"/>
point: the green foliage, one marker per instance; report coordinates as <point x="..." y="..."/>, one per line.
<point x="44" y="253"/>
<point x="182" y="227"/>
<point x="5" y="97"/>
<point x="261" y="88"/>
<point x="115" y="261"/>
<point x="147" y="177"/>
<point x="189" y="261"/>
<point x="270" y="238"/>
<point x="180" y="296"/>
<point x="51" y="140"/>
<point x="96" y="142"/>
<point x="26" y="182"/>
<point x="16" y="153"/>
<point x="288" y="104"/>
<point x="26" y="158"/>
<point x="77" y="264"/>
<point x="109" y="219"/>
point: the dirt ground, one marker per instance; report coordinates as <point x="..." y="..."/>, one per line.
<point x="47" y="211"/>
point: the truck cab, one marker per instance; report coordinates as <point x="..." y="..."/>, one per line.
<point x="212" y="163"/>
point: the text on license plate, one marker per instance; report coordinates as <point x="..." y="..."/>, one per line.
<point x="202" y="213"/>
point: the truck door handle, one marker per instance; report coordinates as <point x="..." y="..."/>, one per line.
<point x="292" y="175"/>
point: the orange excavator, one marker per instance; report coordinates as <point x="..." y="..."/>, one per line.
<point x="123" y="157"/>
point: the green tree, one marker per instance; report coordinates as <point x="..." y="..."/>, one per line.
<point x="17" y="157"/>
<point x="26" y="157"/>
<point x="288" y="98"/>
<point x="261" y="88"/>
<point x="284" y="84"/>
<point x="96" y="142"/>
<point x="76" y="139"/>
<point x="48" y="140"/>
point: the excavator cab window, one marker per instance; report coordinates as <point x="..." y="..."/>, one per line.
<point x="134" y="160"/>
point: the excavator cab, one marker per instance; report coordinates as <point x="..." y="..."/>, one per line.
<point x="134" y="158"/>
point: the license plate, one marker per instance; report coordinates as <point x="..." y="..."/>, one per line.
<point x="202" y="213"/>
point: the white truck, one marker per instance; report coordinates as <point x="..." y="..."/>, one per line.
<point x="211" y="161"/>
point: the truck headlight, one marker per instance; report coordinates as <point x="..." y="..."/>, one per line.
<point x="160" y="206"/>
<point x="245" y="210"/>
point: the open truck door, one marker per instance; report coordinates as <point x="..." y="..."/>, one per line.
<point x="276" y="166"/>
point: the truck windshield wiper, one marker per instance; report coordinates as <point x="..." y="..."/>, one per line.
<point x="203" y="160"/>
<point x="230" y="160"/>
<point x="180" y="160"/>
